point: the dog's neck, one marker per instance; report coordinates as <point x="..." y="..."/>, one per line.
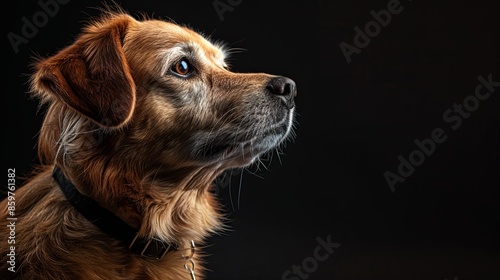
<point x="149" y="247"/>
<point x="159" y="210"/>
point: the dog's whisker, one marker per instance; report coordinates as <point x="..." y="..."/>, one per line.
<point x="231" y="193"/>
<point x="278" y="155"/>
<point x="239" y="189"/>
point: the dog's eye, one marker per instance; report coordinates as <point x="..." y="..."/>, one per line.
<point x="182" y="67"/>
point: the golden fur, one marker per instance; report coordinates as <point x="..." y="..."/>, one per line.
<point x="143" y="141"/>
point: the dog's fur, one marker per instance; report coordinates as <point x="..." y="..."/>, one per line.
<point x="144" y="142"/>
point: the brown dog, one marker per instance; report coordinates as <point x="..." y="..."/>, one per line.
<point x="142" y="117"/>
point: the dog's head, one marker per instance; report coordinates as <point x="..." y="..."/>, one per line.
<point x="158" y="95"/>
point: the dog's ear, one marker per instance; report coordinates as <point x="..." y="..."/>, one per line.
<point x="92" y="75"/>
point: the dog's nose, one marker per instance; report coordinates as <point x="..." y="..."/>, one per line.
<point x="285" y="88"/>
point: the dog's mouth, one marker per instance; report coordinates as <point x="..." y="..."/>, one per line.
<point x="240" y="147"/>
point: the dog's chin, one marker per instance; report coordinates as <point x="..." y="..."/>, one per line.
<point x="245" y="154"/>
<point x="242" y="153"/>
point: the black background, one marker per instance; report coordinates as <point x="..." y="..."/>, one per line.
<point x="354" y="121"/>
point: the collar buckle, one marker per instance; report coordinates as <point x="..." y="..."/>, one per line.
<point x="152" y="248"/>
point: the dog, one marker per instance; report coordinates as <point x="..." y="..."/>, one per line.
<point x="141" y="116"/>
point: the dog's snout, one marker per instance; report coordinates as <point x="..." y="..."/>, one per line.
<point x="285" y="88"/>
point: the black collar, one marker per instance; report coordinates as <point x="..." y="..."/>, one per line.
<point x="111" y="224"/>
